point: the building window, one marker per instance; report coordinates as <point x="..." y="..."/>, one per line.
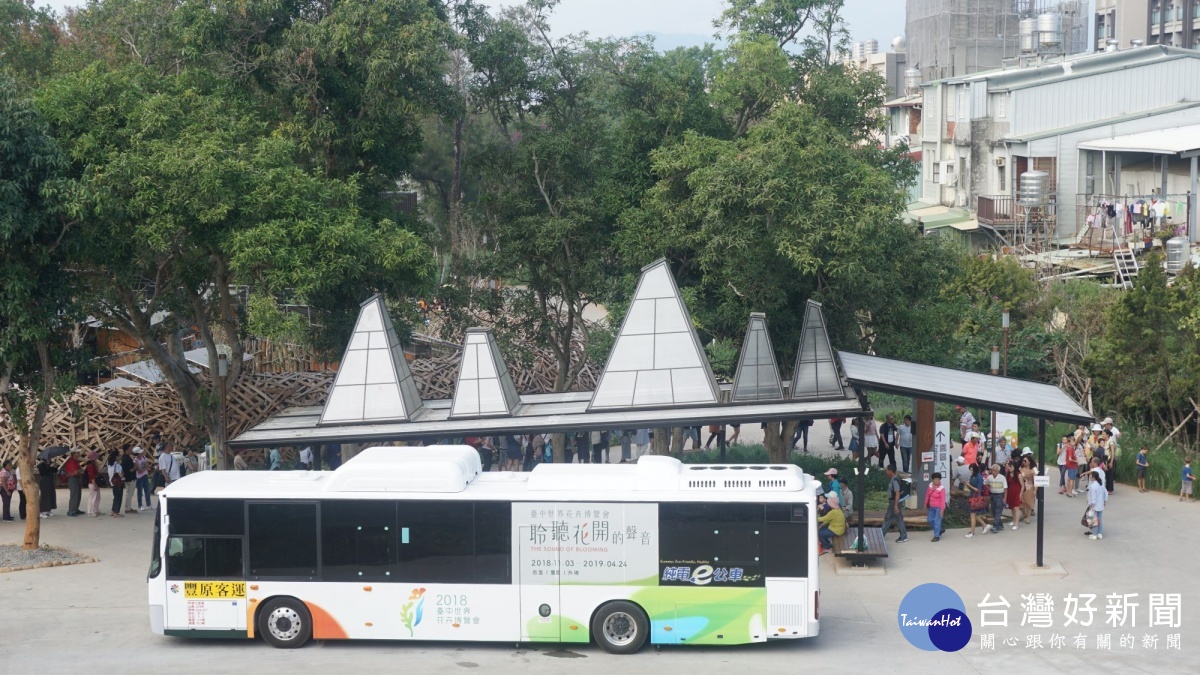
<point x="937" y="171"/>
<point x="1002" y="105"/>
<point x="1002" y="178"/>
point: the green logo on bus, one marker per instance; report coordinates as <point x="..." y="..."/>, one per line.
<point x="412" y="616"/>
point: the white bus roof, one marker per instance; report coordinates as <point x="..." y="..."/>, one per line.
<point x="454" y="472"/>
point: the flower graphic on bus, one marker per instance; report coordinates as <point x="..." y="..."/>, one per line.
<point x="410" y="615"/>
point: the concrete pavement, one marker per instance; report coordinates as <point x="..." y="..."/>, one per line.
<point x="63" y="619"/>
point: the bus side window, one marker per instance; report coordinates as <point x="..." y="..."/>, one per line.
<point x="441" y="542"/>
<point x="358" y="540"/>
<point x="493" y="543"/>
<point x="283" y="540"/>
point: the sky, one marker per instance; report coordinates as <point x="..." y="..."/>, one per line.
<point x="879" y="19"/>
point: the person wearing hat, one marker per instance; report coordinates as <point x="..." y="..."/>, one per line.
<point x="92" y="472"/>
<point x="835" y="486"/>
<point x="1114" y="431"/>
<point x="1028" y="489"/>
<point x="1097" y="499"/>
<point x="832" y="523"/>
<point x="960" y="478"/>
<point x="74" y="470"/>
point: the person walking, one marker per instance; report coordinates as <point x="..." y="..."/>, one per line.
<point x="74" y="470"/>
<point x="1063" y="444"/>
<point x="888" y="435"/>
<point x="977" y="501"/>
<point x="997" y="485"/>
<point x="128" y="477"/>
<point x="935" y="504"/>
<point x="1188" y="477"/>
<point x="20" y="492"/>
<point x="142" y="478"/>
<point x="48" y="499"/>
<point x="92" y="472"/>
<point x="1142" y="466"/>
<point x="306" y="458"/>
<point x="832" y="523"/>
<point x="274" y="460"/>
<point x="894" y="511"/>
<point x="1028" y="488"/>
<point x="239" y="462"/>
<point x="835" y="433"/>
<point x="8" y="485"/>
<point x="871" y="438"/>
<point x="904" y="439"/>
<point x="964" y="423"/>
<point x="1012" y="495"/>
<point x="116" y="481"/>
<point x="1097" y="498"/>
<point x="168" y="466"/>
<point x="641" y="442"/>
<point x="802" y="428"/>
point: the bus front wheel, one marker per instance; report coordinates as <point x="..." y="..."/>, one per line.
<point x="285" y="623"/>
<point x="620" y="627"/>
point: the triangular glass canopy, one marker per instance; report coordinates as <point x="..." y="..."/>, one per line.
<point x="757" y="377"/>
<point x="373" y="382"/>
<point x="816" y="373"/>
<point x="657" y="360"/>
<point x="484" y="388"/>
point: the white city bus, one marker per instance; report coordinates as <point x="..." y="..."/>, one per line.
<point x="418" y="543"/>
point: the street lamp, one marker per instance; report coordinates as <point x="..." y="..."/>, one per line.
<point x="223" y="373"/>
<point x="995" y="371"/>
<point x="1004" y="330"/>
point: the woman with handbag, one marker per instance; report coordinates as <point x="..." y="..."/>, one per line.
<point x="977" y="502"/>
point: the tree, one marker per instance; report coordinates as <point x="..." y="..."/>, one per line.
<point x="1135" y="366"/>
<point x="28" y="37"/>
<point x="35" y="285"/>
<point x="185" y="198"/>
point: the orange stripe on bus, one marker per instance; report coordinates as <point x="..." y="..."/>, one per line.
<point x="325" y="627"/>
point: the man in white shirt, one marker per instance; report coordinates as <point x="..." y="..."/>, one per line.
<point x="1109" y="427"/>
<point x="964" y="423"/>
<point x="167" y="464"/>
<point x="306" y="458"/>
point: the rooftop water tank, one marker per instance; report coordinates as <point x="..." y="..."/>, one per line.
<point x="1050" y="29"/>
<point x="1035" y="188"/>
<point x="1177" y="254"/>
<point x="1026" y="29"/>
<point x="912" y="80"/>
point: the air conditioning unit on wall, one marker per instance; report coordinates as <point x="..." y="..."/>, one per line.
<point x="999" y="161"/>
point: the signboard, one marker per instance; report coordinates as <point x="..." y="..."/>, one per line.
<point x="941" y="448"/>
<point x="587" y="543"/>
<point x="214" y="590"/>
<point x="926" y="457"/>
<point x="1006" y="425"/>
<point x="1041" y="481"/>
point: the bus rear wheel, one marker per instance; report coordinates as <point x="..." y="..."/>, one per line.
<point x="285" y="623"/>
<point x="620" y="627"/>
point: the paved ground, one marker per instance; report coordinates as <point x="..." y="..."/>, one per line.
<point x="66" y="619"/>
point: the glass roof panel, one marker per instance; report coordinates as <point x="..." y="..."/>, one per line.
<point x="653" y="388"/>
<point x="757" y="377"/>
<point x="640" y="319"/>
<point x="382" y="402"/>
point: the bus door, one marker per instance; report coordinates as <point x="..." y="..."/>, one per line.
<point x="538" y="560"/>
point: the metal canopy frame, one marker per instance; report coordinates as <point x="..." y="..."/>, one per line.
<point x="1003" y="394"/>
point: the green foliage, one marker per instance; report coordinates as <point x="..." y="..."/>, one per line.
<point x="28" y="41"/>
<point x="723" y="356"/>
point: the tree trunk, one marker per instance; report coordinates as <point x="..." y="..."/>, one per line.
<point x="30" y="441"/>
<point x="777" y="437"/>
<point x="660" y="443"/>
<point x="457" y="245"/>
<point x="677" y="442"/>
<point x="559" y="443"/>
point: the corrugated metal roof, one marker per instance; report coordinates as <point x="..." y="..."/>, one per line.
<point x="1062" y="131"/>
<point x="1007" y="79"/>
<point x="1004" y="394"/>
<point x="1173" y="141"/>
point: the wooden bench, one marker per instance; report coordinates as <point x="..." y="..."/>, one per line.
<point x="873" y="545"/>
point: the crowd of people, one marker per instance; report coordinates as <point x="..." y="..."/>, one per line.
<point x="127" y="474"/>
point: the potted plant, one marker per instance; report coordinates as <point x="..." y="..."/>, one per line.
<point x="1164" y="234"/>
